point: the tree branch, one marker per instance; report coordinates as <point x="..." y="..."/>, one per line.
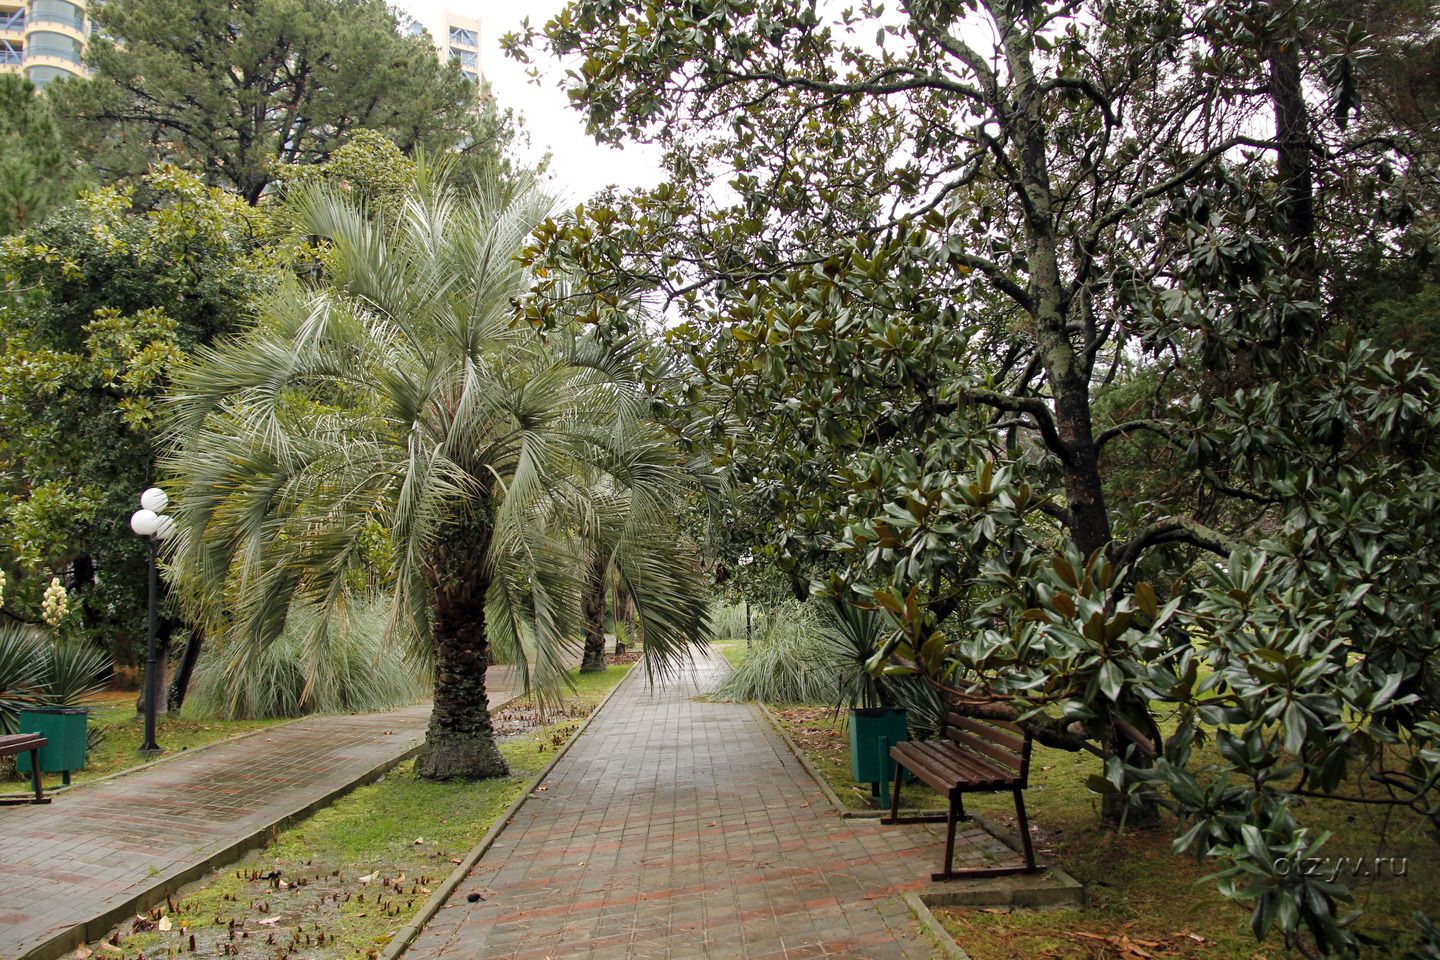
<point x="1125" y="429"/>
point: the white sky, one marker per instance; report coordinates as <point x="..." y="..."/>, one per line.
<point x="578" y="165"/>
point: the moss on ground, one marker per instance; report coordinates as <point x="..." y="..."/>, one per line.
<point x="342" y="883"/>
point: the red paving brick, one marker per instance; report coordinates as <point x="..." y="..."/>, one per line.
<point x="100" y="846"/>
<point x="675" y="827"/>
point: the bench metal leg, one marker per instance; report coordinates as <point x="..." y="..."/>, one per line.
<point x="895" y="804"/>
<point x="35" y="777"/>
<point x="1024" y="830"/>
<point x="895" y="793"/>
<point x="34" y="781"/>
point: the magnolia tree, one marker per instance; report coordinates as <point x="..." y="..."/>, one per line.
<point x="1016" y="322"/>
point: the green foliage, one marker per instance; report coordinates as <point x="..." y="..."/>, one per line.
<point x="356" y="671"/>
<point x="37" y="672"/>
<point x="19" y="669"/>
<point x="102" y="302"/>
<point x="396" y="391"/>
<point x="38" y="168"/>
<point x="243" y="89"/>
<point x="71" y="673"/>
<point x="786" y="662"/>
<point x="945" y="307"/>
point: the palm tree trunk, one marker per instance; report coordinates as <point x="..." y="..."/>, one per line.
<point x="460" y="741"/>
<point x="592" y="604"/>
<point x="625" y="614"/>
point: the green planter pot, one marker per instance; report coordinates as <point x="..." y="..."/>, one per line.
<point x="64" y="728"/>
<point x="873" y="730"/>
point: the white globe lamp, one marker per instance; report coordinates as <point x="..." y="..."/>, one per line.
<point x="144" y="522"/>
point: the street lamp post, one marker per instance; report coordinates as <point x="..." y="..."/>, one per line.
<point x="153" y="526"/>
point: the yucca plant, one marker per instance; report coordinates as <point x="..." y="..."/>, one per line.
<point x="71" y="673"/>
<point x="397" y="391"/>
<point x="19" y="674"/>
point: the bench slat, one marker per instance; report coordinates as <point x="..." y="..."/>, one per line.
<point x="20" y="743"/>
<point x="986" y="747"/>
<point x="946" y="767"/>
<point x="989" y="731"/>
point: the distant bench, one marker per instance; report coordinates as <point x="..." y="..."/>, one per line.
<point x="974" y="756"/>
<point x="18" y="743"/>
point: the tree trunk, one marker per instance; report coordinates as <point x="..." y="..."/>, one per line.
<point x="1293" y="158"/>
<point x="624" y="613"/>
<point x="181" y="684"/>
<point x="460" y="741"/>
<point x="592" y="605"/>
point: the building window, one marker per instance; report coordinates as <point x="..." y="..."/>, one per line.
<point x="467" y="58"/>
<point x="463" y="38"/>
<point x="43" y="43"/>
<point x="57" y="11"/>
<point x="11" y="55"/>
<point x="43" y="75"/>
<point x="12" y="19"/>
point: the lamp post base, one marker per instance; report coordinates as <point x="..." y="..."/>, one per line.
<point x="150" y="751"/>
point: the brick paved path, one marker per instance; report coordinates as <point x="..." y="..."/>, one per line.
<point x="680" y="828"/>
<point x="87" y="857"/>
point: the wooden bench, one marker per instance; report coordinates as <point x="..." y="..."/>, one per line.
<point x="974" y="756"/>
<point x="18" y="743"/>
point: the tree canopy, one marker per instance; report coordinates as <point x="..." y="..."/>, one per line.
<point x="392" y="396"/>
<point x="102" y="302"/>
<point x="1020" y="323"/>
<point x="252" y="84"/>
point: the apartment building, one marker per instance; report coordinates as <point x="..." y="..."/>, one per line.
<point x="43" y="39"/>
<point x="459" y="39"/>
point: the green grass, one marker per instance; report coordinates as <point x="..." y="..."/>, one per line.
<point x="404" y="834"/>
<point x="733" y="651"/>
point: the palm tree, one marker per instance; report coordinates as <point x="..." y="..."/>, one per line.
<point x="396" y="394"/>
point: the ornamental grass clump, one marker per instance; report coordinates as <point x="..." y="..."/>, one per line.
<point x="347" y="668"/>
<point x="787" y="661"/>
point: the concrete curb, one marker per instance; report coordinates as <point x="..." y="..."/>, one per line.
<point x="935" y="928"/>
<point x="406" y="935"/>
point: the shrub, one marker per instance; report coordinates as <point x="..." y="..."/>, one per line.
<point x="788" y="661"/>
<point x="19" y="670"/>
<point x="349" y="669"/>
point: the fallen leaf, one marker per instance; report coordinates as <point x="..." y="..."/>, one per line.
<point x="424" y="889"/>
<point x="805" y="804"/>
<point x="269" y="920"/>
<point x="104" y="945"/>
<point x="81" y="952"/>
<point x="453" y="860"/>
<point x="419" y="839"/>
<point x="400" y="879"/>
<point x="163" y="925"/>
<point x="367" y="878"/>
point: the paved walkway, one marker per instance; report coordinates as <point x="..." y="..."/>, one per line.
<point x="72" y="869"/>
<point x="680" y="828"/>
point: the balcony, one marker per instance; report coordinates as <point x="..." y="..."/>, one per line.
<point x="74" y="23"/>
<point x="12" y="21"/>
<point x="11" y="58"/>
<point x="59" y="51"/>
